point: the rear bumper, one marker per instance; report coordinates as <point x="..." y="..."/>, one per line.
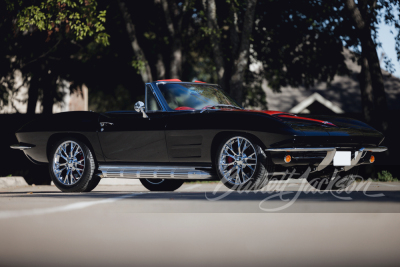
<point x="319" y="157"/>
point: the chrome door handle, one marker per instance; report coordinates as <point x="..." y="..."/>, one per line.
<point x="102" y="124"/>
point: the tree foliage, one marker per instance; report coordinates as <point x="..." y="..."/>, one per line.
<point x="289" y="43"/>
<point x="47" y="43"/>
<point x="79" y="16"/>
<point x="305" y="47"/>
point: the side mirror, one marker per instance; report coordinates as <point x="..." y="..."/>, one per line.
<point x="139" y="107"/>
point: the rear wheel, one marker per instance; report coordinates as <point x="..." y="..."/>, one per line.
<point x="161" y="184"/>
<point x="72" y="166"/>
<point x="242" y="164"/>
<point x="330" y="181"/>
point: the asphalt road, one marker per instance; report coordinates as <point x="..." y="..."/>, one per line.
<point x="201" y="225"/>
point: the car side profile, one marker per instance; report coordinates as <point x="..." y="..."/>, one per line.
<point x="195" y="131"/>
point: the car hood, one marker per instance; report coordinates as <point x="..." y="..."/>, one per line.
<point x="322" y="125"/>
<point x="286" y="117"/>
<point x="339" y="129"/>
<point x="328" y="122"/>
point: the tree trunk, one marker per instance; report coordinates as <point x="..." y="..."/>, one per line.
<point x="242" y="59"/>
<point x="378" y="111"/>
<point x="235" y="41"/>
<point x="379" y="99"/>
<point x="176" y="53"/>
<point x="212" y="23"/>
<point x="234" y="29"/>
<point x="160" y="67"/>
<point x="176" y="59"/>
<point x="144" y="67"/>
<point x="367" y="96"/>
<point x="33" y="94"/>
<point x="175" y="30"/>
<point x="49" y="86"/>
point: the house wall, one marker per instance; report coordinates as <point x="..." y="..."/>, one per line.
<point x="79" y="100"/>
<point x="17" y="102"/>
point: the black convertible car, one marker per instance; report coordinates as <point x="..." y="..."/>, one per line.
<point x="196" y="131"/>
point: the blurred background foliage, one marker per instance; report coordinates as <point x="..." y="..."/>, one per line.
<point x="115" y="47"/>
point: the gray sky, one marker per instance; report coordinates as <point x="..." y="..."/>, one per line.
<point x="388" y="46"/>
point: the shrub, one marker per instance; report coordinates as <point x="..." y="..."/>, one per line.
<point x="385" y="176"/>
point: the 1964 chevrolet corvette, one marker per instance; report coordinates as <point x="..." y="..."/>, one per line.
<point x="196" y="131"/>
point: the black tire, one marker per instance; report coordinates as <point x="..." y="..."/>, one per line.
<point x="82" y="184"/>
<point x="341" y="181"/>
<point x="161" y="184"/>
<point x="93" y="183"/>
<point x="263" y="170"/>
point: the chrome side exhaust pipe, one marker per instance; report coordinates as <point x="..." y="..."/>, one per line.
<point x="155" y="172"/>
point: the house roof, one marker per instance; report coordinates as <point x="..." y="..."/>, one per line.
<point x="342" y="95"/>
<point x="316" y="97"/>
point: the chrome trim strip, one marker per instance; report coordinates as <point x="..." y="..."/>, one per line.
<point x="155" y="172"/>
<point x="163" y="102"/>
<point x="156" y="96"/>
<point x="305" y="149"/>
<point x="376" y="149"/>
<point x="165" y="82"/>
<point x="301" y="149"/>
<point x="331" y="151"/>
<point x="356" y="159"/>
<point x="327" y="160"/>
<point x="20" y="147"/>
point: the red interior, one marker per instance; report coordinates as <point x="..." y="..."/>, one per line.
<point x="184" y="108"/>
<point x="306" y="119"/>
<point x="169" y="80"/>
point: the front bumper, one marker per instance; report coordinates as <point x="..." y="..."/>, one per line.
<point x="22" y="146"/>
<point x="316" y="155"/>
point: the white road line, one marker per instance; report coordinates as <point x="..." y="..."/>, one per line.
<point x="388" y="184"/>
<point x="69" y="207"/>
<point x="192" y="187"/>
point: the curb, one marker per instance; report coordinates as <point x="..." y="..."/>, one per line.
<point x="9" y="182"/>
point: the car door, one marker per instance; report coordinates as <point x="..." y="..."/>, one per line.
<point x="128" y="137"/>
<point x="189" y="135"/>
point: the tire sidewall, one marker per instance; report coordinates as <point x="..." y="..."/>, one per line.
<point x="82" y="183"/>
<point x="251" y="184"/>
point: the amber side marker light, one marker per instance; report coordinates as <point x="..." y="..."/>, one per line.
<point x="288" y="158"/>
<point x="372" y="159"/>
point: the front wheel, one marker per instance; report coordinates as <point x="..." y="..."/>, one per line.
<point x="161" y="184"/>
<point x="72" y="166"/>
<point x="242" y="164"/>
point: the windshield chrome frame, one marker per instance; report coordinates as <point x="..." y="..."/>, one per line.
<point x="158" y="96"/>
<point x="161" y="98"/>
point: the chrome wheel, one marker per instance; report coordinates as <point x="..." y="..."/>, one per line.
<point x="69" y="163"/>
<point x="238" y="160"/>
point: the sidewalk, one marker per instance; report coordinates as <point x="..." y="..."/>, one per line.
<point x="10" y="182"/>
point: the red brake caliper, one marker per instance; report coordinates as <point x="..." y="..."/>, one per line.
<point x="229" y="160"/>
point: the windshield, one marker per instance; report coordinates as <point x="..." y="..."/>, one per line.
<point x="194" y="96"/>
